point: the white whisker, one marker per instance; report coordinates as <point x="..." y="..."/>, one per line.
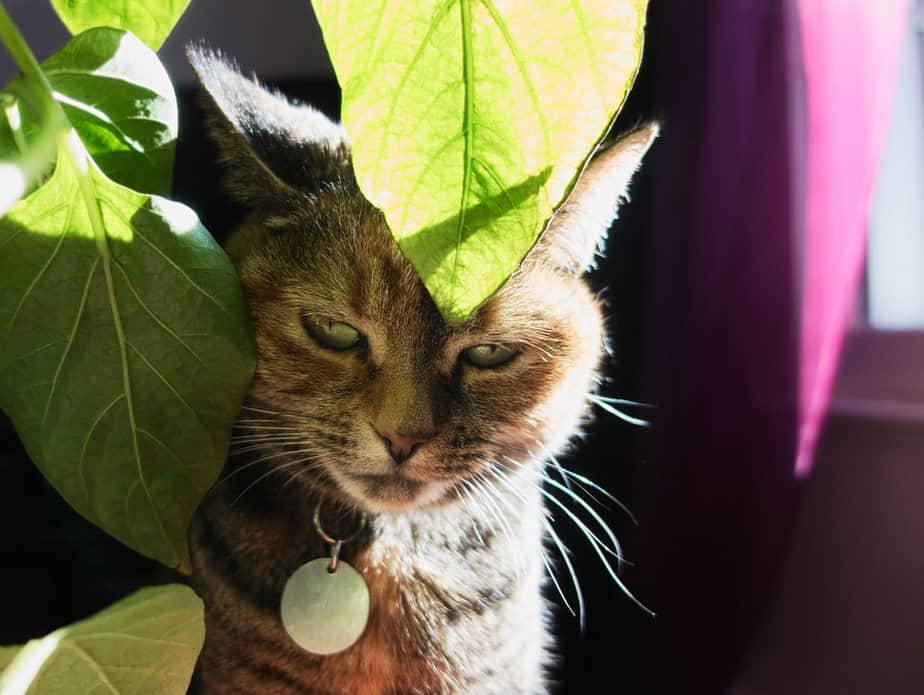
<point x="563" y="551"/>
<point x="263" y="446"/>
<point x="583" y="480"/>
<point x="632" y="420"/>
<point x="269" y="428"/>
<point x="271" y="471"/>
<point x="477" y="499"/>
<point x="264" y="437"/>
<point x="478" y="490"/>
<point x="616" y="551"/>
<point x="598" y="547"/>
<point x="310" y="467"/>
<point x="465" y="503"/>
<point x="594" y="515"/>
<point x="623" y="401"/>
<point x="560" y="468"/>
<point x="500" y="499"/>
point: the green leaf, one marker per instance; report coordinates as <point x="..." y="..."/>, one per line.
<point x="471" y="119"/>
<point x="7" y="654"/>
<point x="24" y="157"/>
<point x="117" y="95"/>
<point x="145" y="644"/>
<point x="150" y="20"/>
<point x="22" y="162"/>
<point x="125" y="349"/>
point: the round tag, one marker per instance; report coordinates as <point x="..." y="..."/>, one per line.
<point x="325" y="612"/>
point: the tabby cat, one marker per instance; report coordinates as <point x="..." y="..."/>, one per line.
<point x="364" y="399"/>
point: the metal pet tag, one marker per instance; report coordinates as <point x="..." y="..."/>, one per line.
<point x="325" y="603"/>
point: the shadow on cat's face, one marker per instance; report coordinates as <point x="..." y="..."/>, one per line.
<point x="387" y="400"/>
<point x="361" y="388"/>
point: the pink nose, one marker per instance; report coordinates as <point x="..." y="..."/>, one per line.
<point x="402" y="446"/>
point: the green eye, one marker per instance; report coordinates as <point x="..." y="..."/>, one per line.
<point x="491" y="355"/>
<point x="332" y="334"/>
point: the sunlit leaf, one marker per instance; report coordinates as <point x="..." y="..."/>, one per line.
<point x="470" y="120"/>
<point x="117" y="95"/>
<point x="24" y="156"/>
<point x="150" y="20"/>
<point x="125" y="350"/>
<point x="7" y="654"/>
<point x="145" y="644"/>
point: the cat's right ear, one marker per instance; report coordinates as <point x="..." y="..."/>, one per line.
<point x="578" y="230"/>
<point x="272" y="150"/>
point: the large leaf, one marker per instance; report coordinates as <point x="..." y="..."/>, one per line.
<point x="146" y="644"/>
<point x="125" y="350"/>
<point x="470" y="120"/>
<point x="118" y="96"/>
<point x="151" y="20"/>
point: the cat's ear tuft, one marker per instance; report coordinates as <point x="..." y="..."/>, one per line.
<point x="272" y="149"/>
<point x="578" y="230"/>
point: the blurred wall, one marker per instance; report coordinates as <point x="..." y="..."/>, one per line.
<point x="847" y="616"/>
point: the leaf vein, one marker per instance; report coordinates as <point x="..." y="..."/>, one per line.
<point x="39" y="218"/>
<point x="468" y="78"/>
<point x="86" y="442"/>
<point x="92" y="663"/>
<point x="127" y="388"/>
<point x="406" y="76"/>
<point x="70" y="342"/>
<point x="163" y="379"/>
<point x="42" y="270"/>
<point x="167" y="258"/>
<point x="521" y="68"/>
<point x="588" y="45"/>
<point x="154" y="316"/>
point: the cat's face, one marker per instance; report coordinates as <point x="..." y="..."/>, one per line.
<point x="374" y="398"/>
<point x="390" y="403"/>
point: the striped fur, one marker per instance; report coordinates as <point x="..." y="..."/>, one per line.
<point x="454" y="571"/>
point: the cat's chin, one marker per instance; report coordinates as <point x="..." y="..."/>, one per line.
<point x="391" y="493"/>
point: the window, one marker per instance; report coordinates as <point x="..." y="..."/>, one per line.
<point x="882" y="372"/>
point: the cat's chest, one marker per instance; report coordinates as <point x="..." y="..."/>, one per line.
<point x="428" y="607"/>
<point x="401" y="649"/>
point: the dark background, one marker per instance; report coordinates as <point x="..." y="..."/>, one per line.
<point x="762" y="585"/>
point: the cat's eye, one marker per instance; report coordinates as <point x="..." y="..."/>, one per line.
<point x="489" y="355"/>
<point x="332" y="334"/>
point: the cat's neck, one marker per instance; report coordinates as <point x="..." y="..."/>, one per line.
<point x="454" y="588"/>
<point x="496" y="512"/>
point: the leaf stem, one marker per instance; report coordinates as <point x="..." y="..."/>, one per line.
<point x="17" y="47"/>
<point x="36" y="93"/>
<point x="14" y="120"/>
<point x="70" y="146"/>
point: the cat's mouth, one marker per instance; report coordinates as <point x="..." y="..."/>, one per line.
<point x="393" y="492"/>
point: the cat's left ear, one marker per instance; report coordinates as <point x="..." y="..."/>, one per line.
<point x="578" y="229"/>
<point x="272" y="149"/>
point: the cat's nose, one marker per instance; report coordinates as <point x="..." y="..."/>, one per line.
<point x="402" y="446"/>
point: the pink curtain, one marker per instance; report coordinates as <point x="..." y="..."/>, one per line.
<point x="850" y="52"/>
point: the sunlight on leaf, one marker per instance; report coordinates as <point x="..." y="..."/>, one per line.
<point x="150" y="20"/>
<point x="126" y="349"/>
<point x="451" y="105"/>
<point x="24" y="156"/>
<point x="118" y="97"/>
<point x="7" y="654"/>
<point x="146" y="643"/>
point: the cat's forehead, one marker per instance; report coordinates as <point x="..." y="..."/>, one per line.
<point x="336" y="257"/>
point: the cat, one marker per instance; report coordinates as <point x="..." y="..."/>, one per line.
<point x="365" y="400"/>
